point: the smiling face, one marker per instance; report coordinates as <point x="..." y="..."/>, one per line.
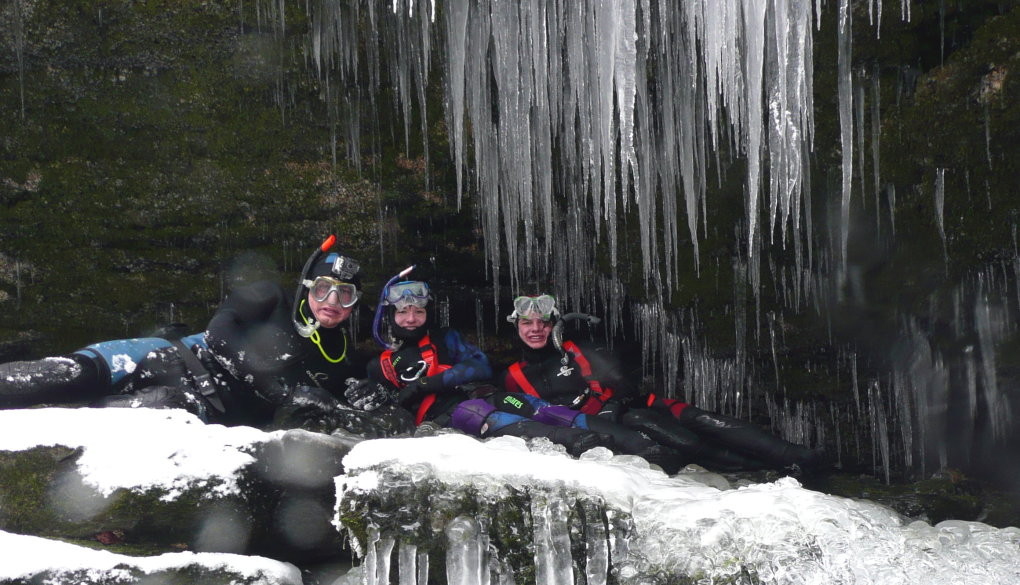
<point x="534" y="332"/>
<point x="410" y="317"/>
<point x="329" y="313"/>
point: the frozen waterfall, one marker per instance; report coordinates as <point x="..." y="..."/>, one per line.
<point x="594" y="135"/>
<point x="612" y="105"/>
<point x="498" y="513"/>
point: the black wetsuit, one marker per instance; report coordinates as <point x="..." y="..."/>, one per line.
<point x="257" y="363"/>
<point x="591" y="382"/>
<point x="260" y="358"/>
<point x="438" y="363"/>
<point x="585" y="387"/>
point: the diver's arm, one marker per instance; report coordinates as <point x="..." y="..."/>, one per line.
<point x="232" y="334"/>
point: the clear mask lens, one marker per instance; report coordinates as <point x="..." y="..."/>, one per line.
<point x="412" y="292"/>
<point x="542" y="307"/>
<point x="323" y="286"/>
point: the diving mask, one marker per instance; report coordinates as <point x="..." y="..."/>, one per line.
<point x="346" y="293"/>
<point x="538" y="307"/>
<point x="408" y="292"/>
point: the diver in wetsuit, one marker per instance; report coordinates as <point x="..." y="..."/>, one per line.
<point x="529" y="414"/>
<point x="265" y="358"/>
<point x="424" y="368"/>
<point x="589" y="381"/>
<point x="432" y="371"/>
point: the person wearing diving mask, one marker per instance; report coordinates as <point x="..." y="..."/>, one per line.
<point x="270" y="351"/>
<point x="441" y="378"/>
<point x="424" y="368"/>
<point x="265" y="358"/>
<point x="589" y="382"/>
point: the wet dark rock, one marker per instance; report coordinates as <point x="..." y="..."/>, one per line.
<point x="946" y="495"/>
<point x="281" y="509"/>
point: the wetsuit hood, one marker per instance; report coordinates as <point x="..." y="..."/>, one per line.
<point x="407" y="335"/>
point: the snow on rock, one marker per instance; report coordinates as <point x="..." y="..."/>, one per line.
<point x="38" y="560"/>
<point x="139" y="448"/>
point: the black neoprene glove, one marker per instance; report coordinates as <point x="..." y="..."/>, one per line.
<point x="367" y="394"/>
<point x="611" y="410"/>
<point x="410" y="392"/>
<point x="419" y="388"/>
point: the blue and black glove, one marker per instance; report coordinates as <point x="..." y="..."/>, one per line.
<point x="367" y="394"/>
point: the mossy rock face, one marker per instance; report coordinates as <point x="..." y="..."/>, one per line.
<point x="25" y="478"/>
<point x="151" y="147"/>
<point x="281" y="506"/>
<point x="43" y="494"/>
<point x="946" y="495"/>
<point x="125" y="574"/>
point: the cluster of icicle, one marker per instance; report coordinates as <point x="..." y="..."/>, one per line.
<point x="470" y="560"/>
<point x="566" y="117"/>
<point x="579" y="112"/>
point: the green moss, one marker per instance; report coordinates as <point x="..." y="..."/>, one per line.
<point x="25" y="479"/>
<point x="38" y="484"/>
<point x="510" y="533"/>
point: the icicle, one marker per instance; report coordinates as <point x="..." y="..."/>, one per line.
<point x="880" y="428"/>
<point x="989" y="332"/>
<point x="17" y="284"/>
<point x="970" y="375"/>
<point x="858" y="103"/>
<point x="988" y="138"/>
<point x="596" y="544"/>
<point x="464" y="553"/>
<point x="456" y="49"/>
<point x="407" y="564"/>
<point x="846" y="132"/>
<point x="940" y="201"/>
<point x="371" y="557"/>
<point x="479" y="323"/>
<point x="876" y="138"/>
<point x="754" y="25"/>
<point x="942" y="32"/>
<point x="890" y="191"/>
<point x="553" y="564"/>
<point x="1016" y="268"/>
<point x="19" y="50"/>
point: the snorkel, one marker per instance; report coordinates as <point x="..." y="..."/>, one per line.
<point x="557" y="331"/>
<point x="306" y="329"/>
<point x="377" y="321"/>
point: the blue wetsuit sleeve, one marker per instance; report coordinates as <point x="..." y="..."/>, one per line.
<point x="470" y="364"/>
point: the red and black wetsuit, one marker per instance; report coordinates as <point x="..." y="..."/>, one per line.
<point x="441" y="362"/>
<point x="587" y="382"/>
<point x="591" y="382"/>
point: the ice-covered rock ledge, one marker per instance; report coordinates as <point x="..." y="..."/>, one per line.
<point x="165" y="480"/>
<point x="30" y="559"/>
<point x="466" y="512"/>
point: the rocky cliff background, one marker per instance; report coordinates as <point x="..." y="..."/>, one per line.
<point x="155" y="153"/>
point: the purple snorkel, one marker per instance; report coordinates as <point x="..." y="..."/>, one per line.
<point x="379" y="308"/>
